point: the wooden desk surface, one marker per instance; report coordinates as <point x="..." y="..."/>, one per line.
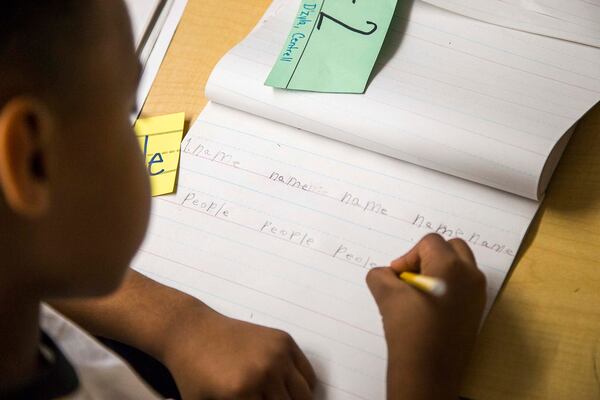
<point x="542" y="338"/>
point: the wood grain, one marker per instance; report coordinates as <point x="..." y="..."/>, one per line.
<point x="542" y="338"/>
<point x="208" y="29"/>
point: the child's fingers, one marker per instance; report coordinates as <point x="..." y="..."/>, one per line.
<point x="381" y="280"/>
<point x="476" y="278"/>
<point x="297" y="386"/>
<point x="277" y="391"/>
<point x="425" y="257"/>
<point x="463" y="250"/>
<point x="303" y="366"/>
<point x="408" y="262"/>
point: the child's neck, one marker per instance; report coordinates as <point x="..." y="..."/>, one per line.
<point x="19" y="335"/>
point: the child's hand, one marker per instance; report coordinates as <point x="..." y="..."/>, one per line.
<point x="429" y="339"/>
<point x="209" y="355"/>
<point x="215" y="357"/>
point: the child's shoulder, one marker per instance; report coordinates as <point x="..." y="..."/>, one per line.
<point x="77" y="366"/>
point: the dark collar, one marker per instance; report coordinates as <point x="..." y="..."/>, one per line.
<point x="56" y="379"/>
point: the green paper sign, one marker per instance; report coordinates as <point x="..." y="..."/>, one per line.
<point x="333" y="45"/>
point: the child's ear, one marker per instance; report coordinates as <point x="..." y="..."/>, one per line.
<point x="25" y="125"/>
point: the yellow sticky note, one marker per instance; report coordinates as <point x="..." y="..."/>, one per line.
<point x="160" y="140"/>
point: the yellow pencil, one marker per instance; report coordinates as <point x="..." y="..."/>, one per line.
<point x="428" y="284"/>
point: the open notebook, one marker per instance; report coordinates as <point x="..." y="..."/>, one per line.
<point x="575" y="20"/>
<point x="286" y="199"/>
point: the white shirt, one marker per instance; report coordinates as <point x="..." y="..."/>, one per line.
<point x="102" y="374"/>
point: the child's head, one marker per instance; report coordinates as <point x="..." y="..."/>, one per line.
<point x="74" y="196"/>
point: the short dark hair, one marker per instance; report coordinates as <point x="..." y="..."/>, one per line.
<point x="40" y="46"/>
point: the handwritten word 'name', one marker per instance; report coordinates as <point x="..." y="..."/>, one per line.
<point x="294" y="182"/>
<point x="367" y="206"/>
<point x="203" y="151"/>
<point x="474" y="238"/>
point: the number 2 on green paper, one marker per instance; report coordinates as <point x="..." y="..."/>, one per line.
<point x="323" y="15"/>
<point x="332" y="45"/>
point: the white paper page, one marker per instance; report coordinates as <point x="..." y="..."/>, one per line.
<point x="153" y="35"/>
<point x="279" y="227"/>
<point x="574" y="20"/>
<point x="457" y="95"/>
<point x="142" y="13"/>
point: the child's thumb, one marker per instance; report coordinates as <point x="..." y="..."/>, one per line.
<point x="381" y="282"/>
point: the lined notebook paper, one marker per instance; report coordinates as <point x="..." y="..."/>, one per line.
<point x="461" y="96"/>
<point x="279" y="227"/>
<point x="276" y="223"/>
<point x="574" y="20"/>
